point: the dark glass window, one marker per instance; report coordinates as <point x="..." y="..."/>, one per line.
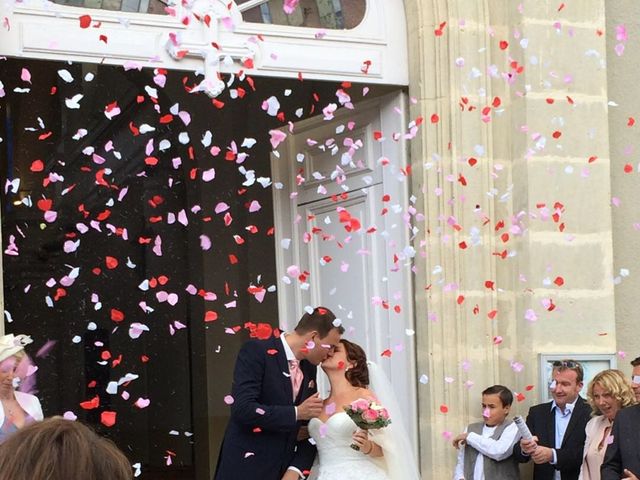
<point x="122" y="248"/>
<point x="330" y="14"/>
<point x="143" y="6"/>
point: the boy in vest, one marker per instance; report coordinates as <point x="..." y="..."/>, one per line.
<point x="485" y="449"/>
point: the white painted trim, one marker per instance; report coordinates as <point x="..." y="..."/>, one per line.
<point x="44" y="30"/>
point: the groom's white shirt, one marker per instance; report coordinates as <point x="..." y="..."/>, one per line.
<point x="290" y="356"/>
<point x="287" y="349"/>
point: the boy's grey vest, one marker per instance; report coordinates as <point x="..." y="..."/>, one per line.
<point x="506" y="469"/>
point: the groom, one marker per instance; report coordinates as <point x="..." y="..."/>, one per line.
<point x="274" y="392"/>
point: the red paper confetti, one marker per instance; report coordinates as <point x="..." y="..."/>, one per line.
<point x="111" y="262"/>
<point x="85" y="21"/>
<point x="91" y="404"/>
<point x="108" y="418"/>
<point x="117" y="315"/>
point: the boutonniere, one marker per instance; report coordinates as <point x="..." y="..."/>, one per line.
<point x="312" y="384"/>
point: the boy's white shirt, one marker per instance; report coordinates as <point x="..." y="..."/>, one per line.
<point x="495" y="449"/>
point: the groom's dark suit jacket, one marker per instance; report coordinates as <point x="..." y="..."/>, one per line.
<point x="624" y="450"/>
<point x="542" y="423"/>
<point x="260" y="440"/>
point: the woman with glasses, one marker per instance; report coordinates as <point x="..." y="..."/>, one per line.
<point x="608" y="393"/>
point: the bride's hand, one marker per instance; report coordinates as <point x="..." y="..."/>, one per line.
<point x="460" y="440"/>
<point x="361" y="439"/>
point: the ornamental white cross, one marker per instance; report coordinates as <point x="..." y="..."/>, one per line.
<point x="208" y="43"/>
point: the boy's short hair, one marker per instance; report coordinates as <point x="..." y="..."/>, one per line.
<point x="506" y="397"/>
<point x="635" y="362"/>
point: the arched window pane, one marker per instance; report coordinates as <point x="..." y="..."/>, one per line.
<point x="156" y="7"/>
<point x="329" y="14"/>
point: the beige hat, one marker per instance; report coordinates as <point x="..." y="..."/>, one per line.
<point x="12" y="344"/>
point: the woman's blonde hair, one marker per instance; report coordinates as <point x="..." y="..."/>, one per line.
<point x="59" y="449"/>
<point x="614" y="382"/>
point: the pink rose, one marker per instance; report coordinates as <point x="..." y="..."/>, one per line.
<point x="370" y="416"/>
<point x="383" y="413"/>
<point x="359" y="405"/>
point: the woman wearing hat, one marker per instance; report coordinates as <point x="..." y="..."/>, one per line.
<point x="17" y="408"/>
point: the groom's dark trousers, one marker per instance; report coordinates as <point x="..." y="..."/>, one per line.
<point x="261" y="439"/>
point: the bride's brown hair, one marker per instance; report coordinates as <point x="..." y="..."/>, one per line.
<point x="358" y="374"/>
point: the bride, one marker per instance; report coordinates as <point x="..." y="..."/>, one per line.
<point x="383" y="454"/>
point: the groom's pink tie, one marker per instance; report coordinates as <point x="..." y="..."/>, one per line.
<point x="296" y="377"/>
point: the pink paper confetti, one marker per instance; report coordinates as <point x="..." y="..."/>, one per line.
<point x="25" y="75"/>
<point x="277" y="137"/>
<point x="289" y="6"/>
<point x="142" y="402"/>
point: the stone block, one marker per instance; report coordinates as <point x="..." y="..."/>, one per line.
<point x="577" y="186"/>
<point x="571" y="59"/>
<point x="587" y="11"/>
<point x="582" y="322"/>
<point x="583" y="265"/>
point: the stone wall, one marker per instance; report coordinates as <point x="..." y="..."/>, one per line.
<point x="517" y="243"/>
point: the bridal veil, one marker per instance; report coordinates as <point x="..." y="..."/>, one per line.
<point x="398" y="459"/>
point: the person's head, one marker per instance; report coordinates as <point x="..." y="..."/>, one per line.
<point x="566" y="382"/>
<point x="13" y="359"/>
<point x="320" y="334"/>
<point x="496" y="403"/>
<point x="635" y="377"/>
<point x="59" y="449"/>
<point x="608" y="392"/>
<point x="350" y="358"/>
<point x="9" y="369"/>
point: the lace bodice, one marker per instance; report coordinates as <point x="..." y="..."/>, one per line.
<point x="337" y="460"/>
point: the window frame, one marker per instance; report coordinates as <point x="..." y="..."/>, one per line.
<point x="374" y="52"/>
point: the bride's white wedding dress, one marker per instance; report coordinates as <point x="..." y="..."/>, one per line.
<point x="336" y="459"/>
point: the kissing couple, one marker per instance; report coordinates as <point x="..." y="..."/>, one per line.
<point x="280" y="428"/>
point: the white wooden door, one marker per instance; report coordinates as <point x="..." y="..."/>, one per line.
<point x="340" y="199"/>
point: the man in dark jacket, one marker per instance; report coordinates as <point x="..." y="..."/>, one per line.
<point x="558" y="427"/>
<point x="275" y="394"/>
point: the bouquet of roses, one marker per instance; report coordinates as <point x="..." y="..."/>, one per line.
<point x="367" y="414"/>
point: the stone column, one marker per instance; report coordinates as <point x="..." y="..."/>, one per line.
<point x="514" y="101"/>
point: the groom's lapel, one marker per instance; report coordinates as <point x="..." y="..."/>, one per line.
<point x="281" y="357"/>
